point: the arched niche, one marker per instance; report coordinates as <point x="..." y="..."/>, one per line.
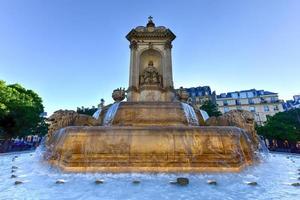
<point x="148" y="56"/>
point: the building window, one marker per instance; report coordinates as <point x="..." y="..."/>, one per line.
<point x="276" y="108"/>
<point x="250" y="94"/>
<point x="225" y="103"/>
<point x="262" y="100"/>
<point x="237" y="102"/>
<point x="250" y="101"/>
<point x="243" y="95"/>
<point x="252" y="109"/>
<point x="226" y="109"/>
<point x="239" y="108"/>
<point x="266" y="108"/>
<point x="234" y="95"/>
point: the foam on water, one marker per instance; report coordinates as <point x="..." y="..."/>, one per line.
<point x="274" y="176"/>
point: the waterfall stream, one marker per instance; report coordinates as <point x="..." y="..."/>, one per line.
<point x="204" y="114"/>
<point x="97" y="113"/>
<point x="190" y="114"/>
<point x="110" y="114"/>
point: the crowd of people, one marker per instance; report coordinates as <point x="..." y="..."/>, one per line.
<point x="20" y="144"/>
<point x="283" y="146"/>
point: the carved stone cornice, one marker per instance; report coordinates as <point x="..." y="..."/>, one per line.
<point x="156" y="34"/>
<point x="133" y="45"/>
<point x="168" y="45"/>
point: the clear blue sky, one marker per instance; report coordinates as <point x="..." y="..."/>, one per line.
<point x="74" y="52"/>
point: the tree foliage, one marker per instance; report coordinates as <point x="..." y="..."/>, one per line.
<point x="20" y="111"/>
<point x="211" y="108"/>
<point x="86" y="111"/>
<point x="282" y="126"/>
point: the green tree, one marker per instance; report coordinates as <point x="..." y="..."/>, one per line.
<point x="211" y="108"/>
<point x="86" y="111"/>
<point x="282" y="126"/>
<point x="20" y="111"/>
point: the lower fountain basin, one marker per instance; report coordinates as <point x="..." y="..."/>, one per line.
<point x="150" y="149"/>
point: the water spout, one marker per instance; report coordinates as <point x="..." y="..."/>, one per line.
<point x="97" y="113"/>
<point x="204" y="114"/>
<point x="262" y="148"/>
<point x="190" y="114"/>
<point x="110" y="114"/>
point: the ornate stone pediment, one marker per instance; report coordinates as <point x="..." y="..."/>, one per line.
<point x="150" y="32"/>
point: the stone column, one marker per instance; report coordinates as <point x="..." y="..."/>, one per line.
<point x="168" y="82"/>
<point x="133" y="72"/>
<point x="168" y="66"/>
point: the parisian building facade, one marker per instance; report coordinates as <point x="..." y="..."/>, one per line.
<point x="198" y="95"/>
<point x="261" y="103"/>
<point x="292" y="104"/>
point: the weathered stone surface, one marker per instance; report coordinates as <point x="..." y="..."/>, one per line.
<point x="151" y="149"/>
<point x="212" y="182"/>
<point x="136" y="181"/>
<point x="63" y="118"/>
<point x="18" y="182"/>
<point x="13" y="176"/>
<point x="152" y="114"/>
<point x="118" y="94"/>
<point x="182" y="181"/>
<point x="60" y="181"/>
<point x="253" y="183"/>
<point x="239" y="118"/>
<point x="295" y="184"/>
<point x="182" y="94"/>
<point x="99" y="181"/>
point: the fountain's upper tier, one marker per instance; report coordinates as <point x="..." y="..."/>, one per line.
<point x="150" y="77"/>
<point x="150" y="114"/>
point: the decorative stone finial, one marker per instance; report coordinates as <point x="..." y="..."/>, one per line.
<point x="119" y="94"/>
<point x="101" y="105"/>
<point x="150" y="22"/>
<point x="182" y="94"/>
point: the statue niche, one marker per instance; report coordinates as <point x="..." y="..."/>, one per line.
<point x="150" y="76"/>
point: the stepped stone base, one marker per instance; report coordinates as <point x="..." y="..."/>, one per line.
<point x="150" y="149"/>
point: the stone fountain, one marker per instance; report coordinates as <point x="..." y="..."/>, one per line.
<point x="155" y="130"/>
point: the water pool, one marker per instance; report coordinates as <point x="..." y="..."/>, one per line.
<point x="274" y="177"/>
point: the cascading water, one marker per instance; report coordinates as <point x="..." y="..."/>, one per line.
<point x="204" y="114"/>
<point x="110" y="114"/>
<point x="97" y="113"/>
<point x="190" y="114"/>
<point x="263" y="151"/>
